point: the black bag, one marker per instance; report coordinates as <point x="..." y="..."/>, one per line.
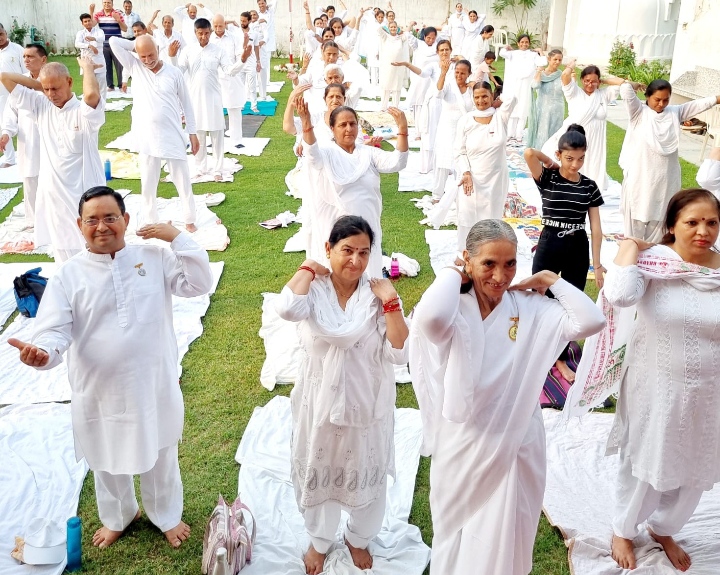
<point x="29" y="289"/>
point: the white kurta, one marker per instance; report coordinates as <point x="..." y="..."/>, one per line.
<point x="187" y="24"/>
<point x="477" y="390"/>
<point x="590" y="111"/>
<point x="11" y="60"/>
<point x="422" y="56"/>
<point x="481" y="150"/>
<point x="520" y="67"/>
<point x="21" y="123"/>
<point x="159" y="99"/>
<point x="454" y="106"/>
<point x="649" y="156"/>
<point x="117" y="328"/>
<point x="341" y="458"/>
<point x="163" y="43"/>
<point x="455" y="23"/>
<point x="202" y="65"/>
<point x="392" y="49"/>
<point x="269" y="17"/>
<point x="428" y="119"/>
<point x="69" y="164"/>
<point x="472" y="33"/>
<point x="668" y="414"/>
<point x="83" y="43"/>
<point x="349" y="184"/>
<point x="232" y="88"/>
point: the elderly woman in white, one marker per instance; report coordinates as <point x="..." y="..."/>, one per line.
<point x="479" y="355"/>
<point x="352" y="331"/>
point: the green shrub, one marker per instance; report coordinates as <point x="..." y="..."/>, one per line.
<point x="622" y="58"/>
<point x="645" y="72"/>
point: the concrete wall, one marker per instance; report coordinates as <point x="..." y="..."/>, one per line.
<point x="60" y="17"/>
<point x="697" y="37"/>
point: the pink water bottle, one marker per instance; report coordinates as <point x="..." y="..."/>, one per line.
<point x="394" y="269"/>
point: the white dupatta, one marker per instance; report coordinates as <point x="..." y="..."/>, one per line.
<point x="602" y="366"/>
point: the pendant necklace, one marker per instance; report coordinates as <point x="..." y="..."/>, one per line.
<point x="512" y="332"/>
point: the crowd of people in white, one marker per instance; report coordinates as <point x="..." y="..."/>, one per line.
<point x="479" y="348"/>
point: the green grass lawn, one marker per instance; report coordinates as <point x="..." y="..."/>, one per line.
<point x="221" y="372"/>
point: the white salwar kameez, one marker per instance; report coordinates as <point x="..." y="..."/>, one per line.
<point x="456" y="31"/>
<point x="590" y="111"/>
<point x="477" y="390"/>
<point x="650" y="162"/>
<point x="422" y="56"/>
<point x="472" y="33"/>
<point x="21" y="123"/>
<point x="392" y="49"/>
<point x="232" y="88"/>
<point x="428" y="117"/>
<point x="159" y="99"/>
<point x="202" y="66"/>
<point x="343" y="406"/>
<point x="117" y="328"/>
<point x="11" y="60"/>
<point x="481" y="150"/>
<point x="349" y="184"/>
<point x="520" y="67"/>
<point x="667" y="424"/>
<point x="69" y="165"/>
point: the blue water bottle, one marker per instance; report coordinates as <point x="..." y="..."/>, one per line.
<point x="108" y="172"/>
<point x="74" y="550"/>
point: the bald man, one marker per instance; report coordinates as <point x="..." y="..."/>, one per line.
<point x="69" y="158"/>
<point x="237" y="48"/>
<point x="22" y="124"/>
<point x="11" y="60"/>
<point x="159" y="93"/>
<point x="187" y="15"/>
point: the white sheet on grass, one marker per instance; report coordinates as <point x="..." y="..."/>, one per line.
<point x="282" y="348"/>
<point x="265" y="485"/>
<point x="580" y="500"/>
<point x="275" y="87"/>
<point x="7" y="195"/>
<point x="117" y="105"/>
<point x="10" y="175"/>
<point x="411" y="180"/>
<point x="39" y="476"/>
<point x="22" y="384"/>
<point x="252" y="146"/>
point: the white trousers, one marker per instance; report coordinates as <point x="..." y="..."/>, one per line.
<point x="441" y="176"/>
<point x="29" y="194"/>
<point x="161" y="490"/>
<point x="235" y="125"/>
<point x="149" y="178"/>
<point x="217" y="138"/>
<point x="387" y="94"/>
<point x="321" y="523"/>
<point x="250" y="81"/>
<point x="649" y="231"/>
<point x="264" y="74"/>
<point x="666" y="512"/>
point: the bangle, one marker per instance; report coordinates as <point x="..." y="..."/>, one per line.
<point x="310" y="129"/>
<point x="308" y="269"/>
<point x="402" y="134"/>
<point x="393" y="300"/>
<point x="392" y="305"/>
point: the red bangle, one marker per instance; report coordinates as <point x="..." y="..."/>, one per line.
<point x="308" y="269"/>
<point x="310" y="129"/>
<point x="402" y="134"/>
<point x="392" y="305"/>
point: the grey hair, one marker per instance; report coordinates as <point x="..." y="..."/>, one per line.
<point x="333" y="68"/>
<point x="55" y="69"/>
<point x="488" y="231"/>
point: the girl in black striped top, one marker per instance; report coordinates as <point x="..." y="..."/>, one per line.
<point x="568" y="198"/>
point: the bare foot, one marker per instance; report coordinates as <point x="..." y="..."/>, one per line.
<point x="105" y="537"/>
<point x="218" y="178"/>
<point x="675" y="553"/>
<point x="314" y="561"/>
<point x="177" y="534"/>
<point x="622" y="552"/>
<point x="565" y="371"/>
<point x="361" y="558"/>
<point x="192" y="228"/>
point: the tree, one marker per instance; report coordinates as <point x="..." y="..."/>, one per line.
<point x="519" y="9"/>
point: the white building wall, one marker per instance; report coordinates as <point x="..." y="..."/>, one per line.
<point x="697" y="37"/>
<point x="61" y="17"/>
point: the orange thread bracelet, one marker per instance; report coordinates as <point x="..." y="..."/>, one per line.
<point x="308" y="269"/>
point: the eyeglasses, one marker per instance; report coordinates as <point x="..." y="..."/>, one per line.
<point x="107" y="220"/>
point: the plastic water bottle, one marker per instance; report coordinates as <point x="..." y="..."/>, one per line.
<point x="108" y="171"/>
<point x="394" y="269"/>
<point x="221" y="562"/>
<point x="74" y="544"/>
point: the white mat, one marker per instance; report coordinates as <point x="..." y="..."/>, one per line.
<point x="275" y="87"/>
<point x="39" y="476"/>
<point x="282" y="348"/>
<point x="411" y="180"/>
<point x="22" y="384"/>
<point x="10" y="175"/>
<point x="253" y="146"/>
<point x="580" y="500"/>
<point x="265" y="485"/>
<point x="117" y="105"/>
<point x="7" y="195"/>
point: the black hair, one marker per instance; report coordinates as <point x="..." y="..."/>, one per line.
<point x="592" y="69"/>
<point x="140" y="24"/>
<point x="39" y="47"/>
<point x="573" y="139"/>
<point x="482" y="86"/>
<point x="441" y="42"/>
<point x="517" y="40"/>
<point x="339" y="110"/>
<point x="331" y="7"/>
<point x="202" y="24"/>
<point x="348" y="226"/>
<point x="246" y="15"/>
<point x="656" y="86"/>
<point x="490" y="54"/>
<point x="334" y="85"/>
<point x="486" y="29"/>
<point x="315" y="19"/>
<point x="380" y="11"/>
<point x="85" y="15"/>
<point x="466" y="63"/>
<point x="329" y="43"/>
<point x="98" y="192"/>
<point x="389" y="12"/>
<point x="681" y="200"/>
<point x="472" y="12"/>
<point x="334" y="21"/>
<point x="428" y="30"/>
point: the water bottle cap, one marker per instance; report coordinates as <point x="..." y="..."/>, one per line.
<point x="221" y="552"/>
<point x="73" y="522"/>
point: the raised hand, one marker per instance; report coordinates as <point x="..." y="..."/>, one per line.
<point x="166" y="232"/>
<point x="540" y="282"/>
<point x="30" y="354"/>
<point x="302" y="109"/>
<point x="444" y="66"/>
<point x="173" y="48"/>
<point x="383" y="289"/>
<point x="399" y="117"/>
<point x="297" y="91"/>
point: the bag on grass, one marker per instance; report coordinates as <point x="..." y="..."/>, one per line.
<point x="227" y="529"/>
<point x="29" y="288"/>
<point x="556" y="387"/>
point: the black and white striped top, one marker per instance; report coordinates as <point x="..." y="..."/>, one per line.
<point x="564" y="203"/>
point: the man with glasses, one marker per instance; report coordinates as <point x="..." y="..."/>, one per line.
<point x="69" y="158"/>
<point x="110" y="308"/>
